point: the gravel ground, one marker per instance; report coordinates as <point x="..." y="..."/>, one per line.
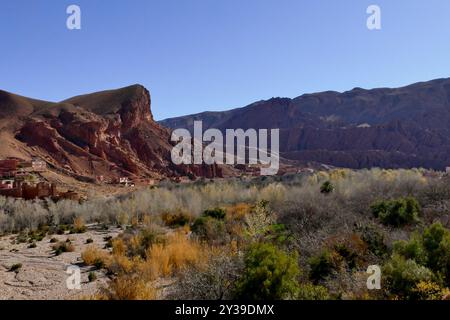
<point x="43" y="275"/>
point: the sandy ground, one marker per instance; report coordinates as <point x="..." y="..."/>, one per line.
<point x="43" y="275"/>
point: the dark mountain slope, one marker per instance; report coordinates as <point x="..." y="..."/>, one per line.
<point x="392" y="128"/>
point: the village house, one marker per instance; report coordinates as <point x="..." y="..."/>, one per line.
<point x="28" y="192"/>
<point x="6" y="184"/>
<point x="9" y="167"/>
<point x="19" y="179"/>
<point x="126" y="182"/>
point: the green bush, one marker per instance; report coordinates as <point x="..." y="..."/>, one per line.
<point x="436" y="241"/>
<point x="36" y="236"/>
<point x="412" y="249"/>
<point x="397" y="212"/>
<point x="62" y="229"/>
<point x="327" y="187"/>
<point x="431" y="249"/>
<point x="210" y="229"/>
<point x="177" y="219"/>
<point x="150" y="237"/>
<point x="310" y="291"/>
<point x="99" y="263"/>
<point x="374" y="240"/>
<point x="108" y="241"/>
<point x="22" y="238"/>
<point x="92" y="276"/>
<point x="15" y="267"/>
<point x="216" y="213"/>
<point x="278" y="233"/>
<point x="269" y="274"/>
<point x="62" y="247"/>
<point x="75" y="230"/>
<point x="321" y="266"/>
<point x="401" y="276"/>
<point x="32" y="245"/>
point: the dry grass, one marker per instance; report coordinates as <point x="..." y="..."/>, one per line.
<point x="238" y="211"/>
<point x="119" y="247"/>
<point x="166" y="259"/>
<point x="94" y="256"/>
<point x="177" y="219"/>
<point x="78" y="223"/>
<point x="122" y="265"/>
<point x="128" y="288"/>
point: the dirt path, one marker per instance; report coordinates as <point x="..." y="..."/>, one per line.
<point x="43" y="275"/>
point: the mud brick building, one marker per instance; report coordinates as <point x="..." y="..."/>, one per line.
<point x="9" y="167"/>
<point x="29" y="192"/>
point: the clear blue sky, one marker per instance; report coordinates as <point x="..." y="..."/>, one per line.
<point x="197" y="55"/>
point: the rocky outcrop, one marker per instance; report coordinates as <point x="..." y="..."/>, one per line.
<point x="110" y="133"/>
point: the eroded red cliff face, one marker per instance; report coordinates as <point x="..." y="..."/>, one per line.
<point x="110" y="133"/>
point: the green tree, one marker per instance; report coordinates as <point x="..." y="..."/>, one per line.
<point x="269" y="274"/>
<point x="403" y="275"/>
<point x="436" y="241"/>
<point x="424" y="258"/>
<point x="397" y="212"/>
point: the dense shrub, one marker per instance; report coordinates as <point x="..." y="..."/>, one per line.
<point x="259" y="221"/>
<point x="92" y="276"/>
<point x="269" y="274"/>
<point x="278" y="233"/>
<point x="128" y="287"/>
<point x="78" y="226"/>
<point x="93" y="256"/>
<point x="427" y="290"/>
<point x="327" y="187"/>
<point x="209" y="229"/>
<point x="321" y="266"/>
<point x="420" y="267"/>
<point x="214" y="280"/>
<point x="397" y="212"/>
<point x="374" y="240"/>
<point x="177" y="219"/>
<point x="62" y="247"/>
<point x="346" y="252"/>
<point x="431" y="249"/>
<point x="401" y="276"/>
<point x="32" y="245"/>
<point x="436" y="241"/>
<point x="354" y="191"/>
<point x="244" y="213"/>
<point x="165" y="259"/>
<point x="309" y="291"/>
<point x="15" y="267"/>
<point x="216" y="213"/>
<point x="412" y="249"/>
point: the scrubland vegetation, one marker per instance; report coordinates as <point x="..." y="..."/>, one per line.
<point x="306" y="236"/>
